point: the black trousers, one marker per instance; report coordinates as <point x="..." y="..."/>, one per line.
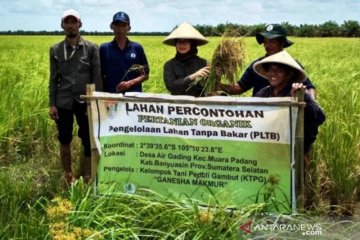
<point x="65" y="125"/>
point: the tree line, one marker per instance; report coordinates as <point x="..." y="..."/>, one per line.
<point x="350" y="28"/>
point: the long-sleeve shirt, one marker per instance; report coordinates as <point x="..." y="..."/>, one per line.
<point x="176" y="76"/>
<point x="71" y="69"/>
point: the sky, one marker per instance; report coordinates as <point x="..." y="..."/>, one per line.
<point x="164" y="15"/>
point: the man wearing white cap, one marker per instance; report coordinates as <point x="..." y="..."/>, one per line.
<point x="74" y="63"/>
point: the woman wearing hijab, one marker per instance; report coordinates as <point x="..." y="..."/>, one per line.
<point x="181" y="71"/>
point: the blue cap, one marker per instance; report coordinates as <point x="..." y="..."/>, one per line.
<point x="121" y="17"/>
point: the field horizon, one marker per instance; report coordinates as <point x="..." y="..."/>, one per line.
<point x="30" y="175"/>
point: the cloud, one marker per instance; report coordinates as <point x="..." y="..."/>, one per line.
<point x="161" y="15"/>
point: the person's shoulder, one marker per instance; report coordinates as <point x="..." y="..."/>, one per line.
<point x="90" y="43"/>
<point x="264" y="92"/>
<point x="258" y="59"/>
<point x="58" y="43"/>
<point x="255" y="61"/>
<point x="170" y="61"/>
<point x="105" y="44"/>
<point x="134" y="44"/>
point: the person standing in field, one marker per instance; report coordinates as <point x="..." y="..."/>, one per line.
<point x="124" y="65"/>
<point x="285" y="76"/>
<point x="274" y="39"/>
<point x="74" y="62"/>
<point x="181" y="71"/>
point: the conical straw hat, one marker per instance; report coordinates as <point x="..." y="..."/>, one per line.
<point x="185" y="31"/>
<point x="284" y="58"/>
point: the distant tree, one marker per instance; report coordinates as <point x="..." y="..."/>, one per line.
<point x="254" y="29"/>
<point x="200" y="28"/>
<point x="219" y="29"/>
<point x="208" y="30"/>
<point x="306" y="30"/>
<point x="232" y="26"/>
<point x="290" y="29"/>
<point x="244" y="30"/>
<point x="329" y="29"/>
<point x="350" y="29"/>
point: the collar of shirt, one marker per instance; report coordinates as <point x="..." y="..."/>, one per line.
<point x="70" y="50"/>
<point x="115" y="44"/>
<point x="80" y="43"/>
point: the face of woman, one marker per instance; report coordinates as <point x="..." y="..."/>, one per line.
<point x="278" y="75"/>
<point x="183" y="46"/>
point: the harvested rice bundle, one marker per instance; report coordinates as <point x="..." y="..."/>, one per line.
<point x="227" y="62"/>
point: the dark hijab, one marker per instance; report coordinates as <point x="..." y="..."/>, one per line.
<point x="191" y="53"/>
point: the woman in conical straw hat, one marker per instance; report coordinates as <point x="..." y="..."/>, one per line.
<point x="285" y="77"/>
<point x="181" y="71"/>
<point x="281" y="70"/>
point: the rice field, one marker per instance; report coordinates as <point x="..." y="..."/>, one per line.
<point x="31" y="192"/>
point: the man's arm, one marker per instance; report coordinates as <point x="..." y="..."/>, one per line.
<point x="96" y="68"/>
<point x="53" y="82"/>
<point x="231" y="88"/>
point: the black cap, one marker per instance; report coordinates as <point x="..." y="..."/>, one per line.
<point x="274" y="31"/>
<point x="121" y="17"/>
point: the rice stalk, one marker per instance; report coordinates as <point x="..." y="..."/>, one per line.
<point x="133" y="68"/>
<point x="227" y="61"/>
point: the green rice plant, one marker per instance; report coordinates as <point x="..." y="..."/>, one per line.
<point x="154" y="217"/>
<point x="30" y="174"/>
<point x="22" y="195"/>
<point x="25" y="125"/>
<point x="336" y="151"/>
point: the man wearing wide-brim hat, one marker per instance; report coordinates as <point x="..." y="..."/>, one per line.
<point x="274" y="38"/>
<point x="181" y="71"/>
<point x="274" y="31"/>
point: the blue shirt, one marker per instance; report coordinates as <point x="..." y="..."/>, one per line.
<point x="251" y="80"/>
<point x="116" y="62"/>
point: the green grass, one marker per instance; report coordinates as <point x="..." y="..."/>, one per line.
<point x="30" y="175"/>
